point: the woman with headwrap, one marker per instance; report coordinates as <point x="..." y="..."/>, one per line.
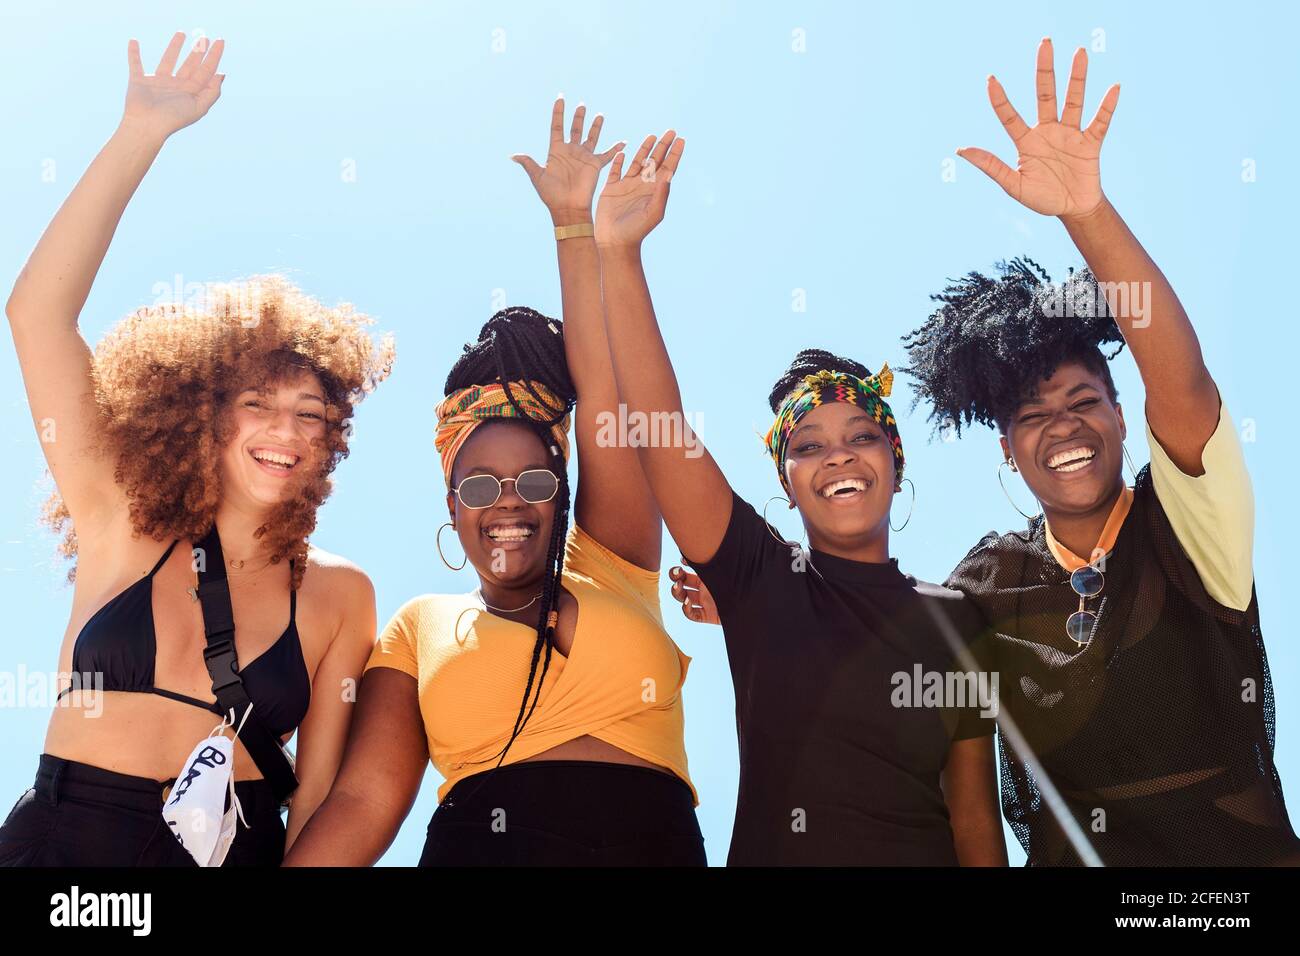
<point x="549" y="696"/>
<point x="863" y="722"/>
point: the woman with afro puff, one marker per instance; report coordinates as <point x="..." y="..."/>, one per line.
<point x="1125" y="622"/>
<point x="227" y="415"/>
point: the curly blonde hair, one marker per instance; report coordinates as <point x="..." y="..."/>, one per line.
<point x="165" y="379"/>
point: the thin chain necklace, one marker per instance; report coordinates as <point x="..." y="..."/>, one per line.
<point x="505" y="610"/>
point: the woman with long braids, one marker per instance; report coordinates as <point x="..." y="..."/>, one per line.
<point x="1126" y="625"/>
<point x="191" y="433"/>
<point x="843" y="758"/>
<point x="550" y="695"/>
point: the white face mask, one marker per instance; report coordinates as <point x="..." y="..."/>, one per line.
<point x="196" y="809"/>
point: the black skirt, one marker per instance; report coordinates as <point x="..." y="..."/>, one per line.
<point x="79" y="815"/>
<point x="566" y="813"/>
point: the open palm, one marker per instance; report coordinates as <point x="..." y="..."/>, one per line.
<point x="163" y="102"/>
<point x="632" y="204"/>
<point x="568" y="180"/>
<point x="1059" y="170"/>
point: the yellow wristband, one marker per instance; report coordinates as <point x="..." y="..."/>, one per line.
<point x="575" y="231"/>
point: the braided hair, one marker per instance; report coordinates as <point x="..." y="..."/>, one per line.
<point x="994" y="338"/>
<point x="520" y="344"/>
<point x="810" y="362"/>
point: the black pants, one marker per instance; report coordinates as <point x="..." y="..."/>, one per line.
<point x="566" y="813"/>
<point x="79" y="815"/>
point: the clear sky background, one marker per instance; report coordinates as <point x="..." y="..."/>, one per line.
<point x="829" y="170"/>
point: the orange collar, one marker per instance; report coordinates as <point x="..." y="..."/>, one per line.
<point x="1071" y="561"/>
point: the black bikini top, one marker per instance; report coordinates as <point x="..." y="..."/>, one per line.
<point x="120" y="642"/>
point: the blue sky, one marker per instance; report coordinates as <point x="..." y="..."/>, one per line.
<point x="821" y="170"/>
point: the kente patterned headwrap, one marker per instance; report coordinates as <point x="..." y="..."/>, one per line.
<point x="823" y="387"/>
<point x="463" y="411"/>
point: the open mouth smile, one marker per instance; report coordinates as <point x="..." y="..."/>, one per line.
<point x="845" y="489"/>
<point x="509" y="535"/>
<point x="277" y="463"/>
<point x="1073" y="459"/>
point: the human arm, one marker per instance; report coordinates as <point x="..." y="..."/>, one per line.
<point x="692" y="492"/>
<point x="1059" y="174"/>
<point x="48" y="296"/>
<point x="613" y="503"/>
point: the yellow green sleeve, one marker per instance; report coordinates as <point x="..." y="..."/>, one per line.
<point x="1213" y="514"/>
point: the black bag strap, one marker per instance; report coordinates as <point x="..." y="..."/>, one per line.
<point x="223" y="667"/>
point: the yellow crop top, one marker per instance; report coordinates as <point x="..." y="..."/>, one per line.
<point x="621" y="682"/>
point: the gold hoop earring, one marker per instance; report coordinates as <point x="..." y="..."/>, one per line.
<point x="1005" y="462"/>
<point x="437" y="543"/>
<point x="770" y="530"/>
<point x="909" y="510"/>
<point x="1129" y="461"/>
<point x="799" y="546"/>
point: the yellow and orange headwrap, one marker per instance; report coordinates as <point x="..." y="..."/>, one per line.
<point x="463" y="411"/>
<point x="825" y="386"/>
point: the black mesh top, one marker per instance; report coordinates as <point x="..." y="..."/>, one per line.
<point x="1159" y="733"/>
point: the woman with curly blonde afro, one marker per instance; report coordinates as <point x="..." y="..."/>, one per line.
<point x="193" y="435"/>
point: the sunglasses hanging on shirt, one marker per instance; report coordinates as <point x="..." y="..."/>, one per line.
<point x="1087" y="582"/>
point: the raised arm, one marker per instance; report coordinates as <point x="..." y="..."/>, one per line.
<point x="1059" y="174"/>
<point x="613" y="502"/>
<point x="47" y="299"/>
<point x="692" y="492"/>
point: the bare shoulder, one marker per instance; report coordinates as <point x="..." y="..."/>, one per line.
<point x="334" y="570"/>
<point x="335" y="583"/>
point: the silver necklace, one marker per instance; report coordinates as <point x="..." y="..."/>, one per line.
<point x="504" y="610"/>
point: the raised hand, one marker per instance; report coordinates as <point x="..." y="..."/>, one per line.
<point x="164" y="102"/>
<point x="568" y="180"/>
<point x="632" y="204"/>
<point x="1058" y="171"/>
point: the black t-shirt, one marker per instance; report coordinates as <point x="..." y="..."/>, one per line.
<point x="842" y="731"/>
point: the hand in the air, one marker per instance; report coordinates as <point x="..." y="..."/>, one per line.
<point x="633" y="203"/>
<point x="1058" y="171"/>
<point x="162" y="102"/>
<point x="568" y="180"/>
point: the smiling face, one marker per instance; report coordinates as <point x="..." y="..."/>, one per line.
<point x="279" y="437"/>
<point x="840" y="468"/>
<point x="507" y="541"/>
<point x="1067" y="442"/>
